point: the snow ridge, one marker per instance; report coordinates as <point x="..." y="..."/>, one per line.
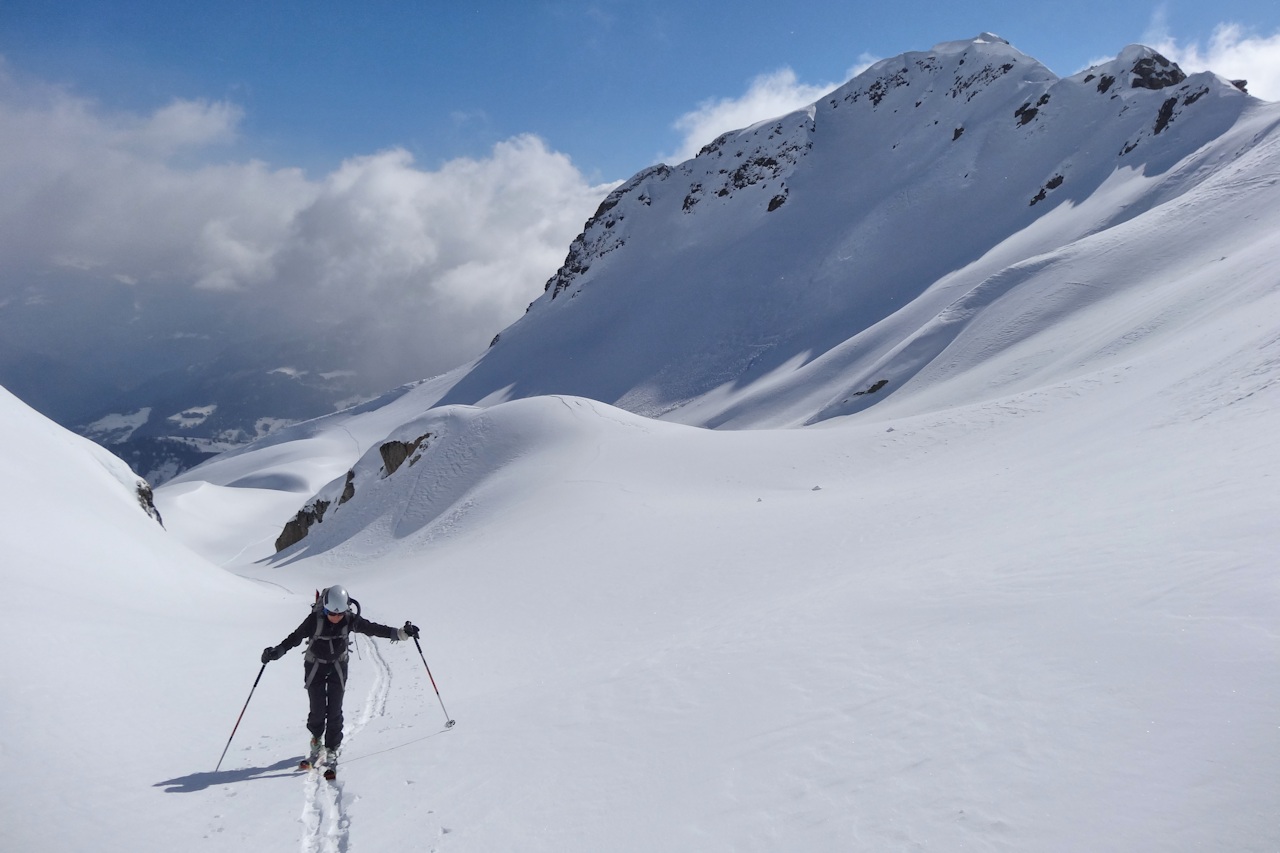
<point x="939" y="207"/>
<point x="855" y="219"/>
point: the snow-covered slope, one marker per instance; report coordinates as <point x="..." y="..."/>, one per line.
<point x="792" y="263"/>
<point x="1026" y="601"/>
<point x="112" y="625"/>
<point x="877" y="249"/>
<point x="961" y="629"/>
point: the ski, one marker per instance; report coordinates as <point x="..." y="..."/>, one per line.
<point x="330" y="772"/>
<point x="321" y="758"/>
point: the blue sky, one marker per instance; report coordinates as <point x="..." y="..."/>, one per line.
<point x="306" y="163"/>
<point x="604" y="82"/>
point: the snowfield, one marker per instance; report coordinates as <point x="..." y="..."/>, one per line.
<point x="1022" y="598"/>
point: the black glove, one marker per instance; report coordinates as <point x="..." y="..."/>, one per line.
<point x="410" y="630"/>
<point x="269" y="654"/>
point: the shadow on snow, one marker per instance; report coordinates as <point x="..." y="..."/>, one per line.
<point x="200" y="781"/>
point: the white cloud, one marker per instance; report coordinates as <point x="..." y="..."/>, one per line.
<point x="431" y="261"/>
<point x="186" y="124"/>
<point x="476" y="236"/>
<point x="768" y="96"/>
<point x="1232" y="52"/>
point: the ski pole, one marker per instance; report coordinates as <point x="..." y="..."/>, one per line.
<point x="239" y="718"/>
<point x="448" y="722"/>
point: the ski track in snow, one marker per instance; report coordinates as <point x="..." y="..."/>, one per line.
<point x="325" y="824"/>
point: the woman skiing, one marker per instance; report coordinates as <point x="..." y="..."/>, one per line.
<point x="325" y="667"/>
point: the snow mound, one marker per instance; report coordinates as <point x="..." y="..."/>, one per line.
<point x="417" y="484"/>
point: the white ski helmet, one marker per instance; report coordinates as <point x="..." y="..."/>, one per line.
<point x="335" y="600"/>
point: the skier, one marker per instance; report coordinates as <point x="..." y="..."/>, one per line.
<point x="326" y="628"/>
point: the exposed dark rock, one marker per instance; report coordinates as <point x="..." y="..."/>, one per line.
<point x="976" y="80"/>
<point x="1156" y="72"/>
<point x="777" y="201"/>
<point x="394" y="453"/>
<point x="959" y="133"/>
<point x="694" y="196"/>
<point x="296" y="530"/>
<point x="1242" y="85"/>
<point x="1026" y="112"/>
<point x="1106" y="83"/>
<point x="1166" y="115"/>
<point x="1052" y="184"/>
<point x="147" y="499"/>
<point x="714" y="146"/>
<point x="879" y="88"/>
<point x="1192" y="97"/>
<point x="494" y="342"/>
<point x="575" y="264"/>
<point x="595" y="242"/>
<point x="873" y="389"/>
<point x="747" y="174"/>
<point x="758" y="167"/>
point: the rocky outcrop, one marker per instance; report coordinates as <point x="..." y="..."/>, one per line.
<point x="598" y="237"/>
<point x="1154" y="71"/>
<point x="1052" y="184"/>
<point x="146" y="498"/>
<point x="1144" y="67"/>
<point x="296" y="530"/>
<point x="394" y="453"/>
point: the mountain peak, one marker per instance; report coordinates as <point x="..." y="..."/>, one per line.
<point x="964" y="44"/>
<point x="705" y="290"/>
<point x="1136" y="67"/>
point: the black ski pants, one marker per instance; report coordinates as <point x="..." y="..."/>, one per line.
<point x="325" y="688"/>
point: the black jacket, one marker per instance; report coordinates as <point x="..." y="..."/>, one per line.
<point x="330" y="645"/>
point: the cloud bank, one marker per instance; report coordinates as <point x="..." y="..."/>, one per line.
<point x="1232" y="52"/>
<point x="428" y="264"/>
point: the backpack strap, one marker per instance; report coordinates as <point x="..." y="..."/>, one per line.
<point x="310" y="656"/>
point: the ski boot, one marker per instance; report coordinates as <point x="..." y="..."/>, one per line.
<point x="314" y="752"/>
<point x="330" y="762"/>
